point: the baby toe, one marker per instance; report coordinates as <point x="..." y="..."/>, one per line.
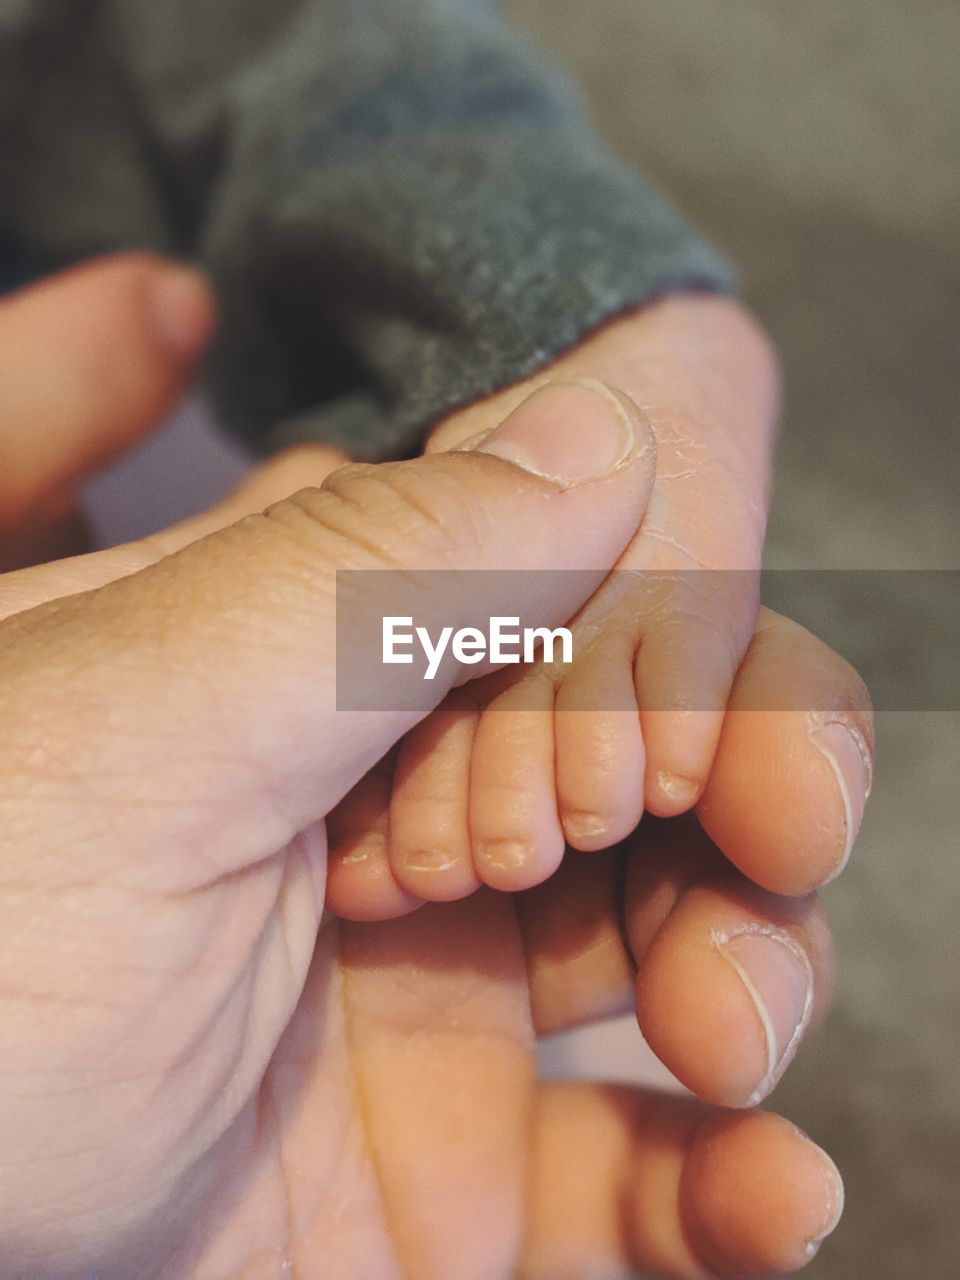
<point x="684" y="670"/>
<point x="429" y="845"/>
<point x="515" y="829"/>
<point x="360" y="882"/>
<point x="599" y="749"/>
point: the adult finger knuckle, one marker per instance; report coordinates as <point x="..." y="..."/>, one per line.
<point x="387" y="516"/>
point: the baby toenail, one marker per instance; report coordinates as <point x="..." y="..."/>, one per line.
<point x="678" y="789"/>
<point x="361" y="853"/>
<point x="778" y="980"/>
<point x="580" y="825"/>
<point x="505" y="855"/>
<point x="429" y="860"/>
<point x="849" y="758"/>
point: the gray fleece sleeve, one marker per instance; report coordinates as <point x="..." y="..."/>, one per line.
<point x="401" y="203"/>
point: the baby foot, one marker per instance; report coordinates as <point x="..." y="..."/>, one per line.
<point x="490" y="788"/>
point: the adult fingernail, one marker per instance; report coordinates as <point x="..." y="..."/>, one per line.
<point x="571" y="432"/>
<point x="833" y="1187"/>
<point x="850" y="761"/>
<point x="778" y="980"/>
<point x="182" y="305"/>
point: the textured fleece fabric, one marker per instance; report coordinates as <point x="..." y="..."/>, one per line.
<point x="401" y="204"/>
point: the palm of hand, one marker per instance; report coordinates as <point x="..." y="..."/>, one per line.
<point x="353" y="1101"/>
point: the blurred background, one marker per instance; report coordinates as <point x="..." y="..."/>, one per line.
<point x="819" y="146"/>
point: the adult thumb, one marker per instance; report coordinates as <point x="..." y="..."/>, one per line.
<point x="196" y="701"/>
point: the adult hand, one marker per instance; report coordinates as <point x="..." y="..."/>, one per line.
<point x="204" y="1074"/>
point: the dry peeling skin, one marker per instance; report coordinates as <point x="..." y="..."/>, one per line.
<point x="778" y="1055"/>
<point x="854" y="792"/>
